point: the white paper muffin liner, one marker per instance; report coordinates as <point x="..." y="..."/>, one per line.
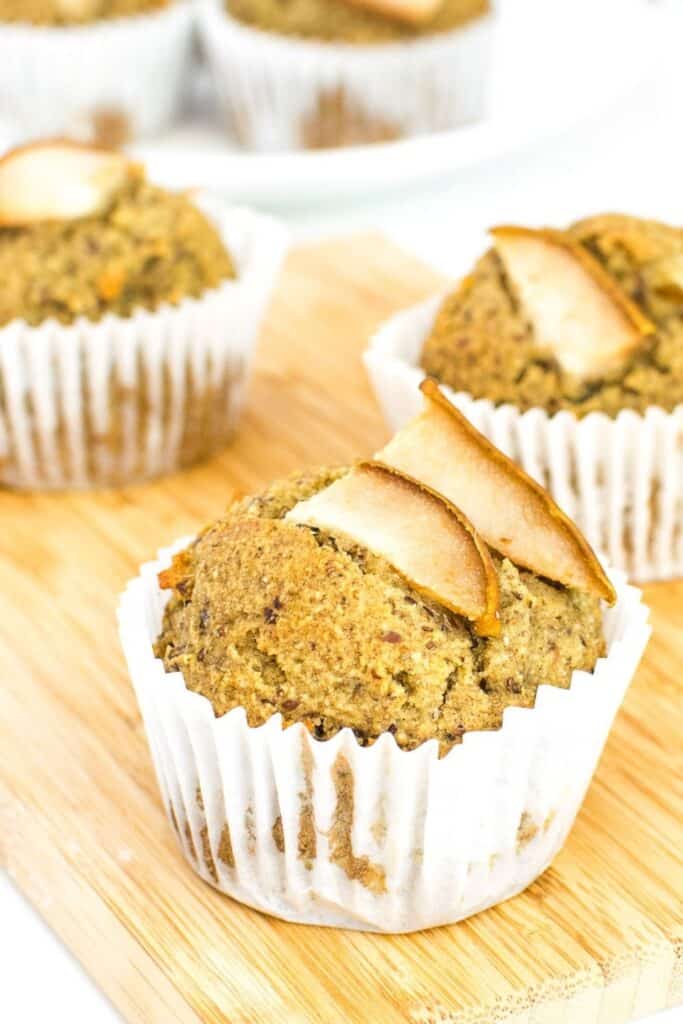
<point x="275" y="89"/>
<point x="122" y="399"/>
<point x="67" y="80"/>
<point x="447" y="838"/>
<point x="620" y="479"/>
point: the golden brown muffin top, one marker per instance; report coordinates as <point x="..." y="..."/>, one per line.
<point x="342" y="21"/>
<point x="147" y="248"/>
<point x="277" y="617"/>
<point x="483" y="343"/>
<point x="74" y="12"/>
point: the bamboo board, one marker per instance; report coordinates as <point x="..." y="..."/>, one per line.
<point x="597" y="940"/>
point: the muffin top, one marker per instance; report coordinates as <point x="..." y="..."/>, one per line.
<point x="74" y="12"/>
<point x="521" y="328"/>
<point x="372" y="21"/>
<point x="140" y="248"/>
<point x="272" y="613"/>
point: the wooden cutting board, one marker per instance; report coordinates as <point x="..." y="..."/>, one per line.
<point x="597" y="940"/>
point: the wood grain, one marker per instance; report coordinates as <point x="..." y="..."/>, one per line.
<point x="597" y="940"/>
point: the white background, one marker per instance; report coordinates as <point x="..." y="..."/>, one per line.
<point x="629" y="160"/>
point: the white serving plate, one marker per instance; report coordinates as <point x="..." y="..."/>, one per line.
<point x="557" y="63"/>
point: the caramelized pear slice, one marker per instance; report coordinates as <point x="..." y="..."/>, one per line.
<point x="412" y="12"/>
<point x="513" y="514"/>
<point x="578" y="312"/>
<point x="58" y="180"/>
<point x="425" y="538"/>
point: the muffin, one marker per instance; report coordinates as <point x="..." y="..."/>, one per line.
<point x="323" y="73"/>
<point x="369" y="707"/>
<point x="566" y="348"/>
<point x="102" y="71"/>
<point x="128" y="316"/>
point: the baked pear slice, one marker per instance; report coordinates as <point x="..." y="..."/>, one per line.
<point x="58" y="180"/>
<point x="423" y="536"/>
<point x="578" y="312"/>
<point x="513" y="514"/>
<point x="412" y="12"/>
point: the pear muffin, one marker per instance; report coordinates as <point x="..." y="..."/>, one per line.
<point x="323" y="73"/>
<point x="491" y="338"/>
<point x="126" y="320"/>
<point x="370" y="706"/>
<point x="132" y="58"/>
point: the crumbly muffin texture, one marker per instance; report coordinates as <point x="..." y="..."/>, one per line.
<point x="481" y="342"/>
<point x="150" y="247"/>
<point x="344" y="21"/>
<point x="275" y="617"/>
<point x="74" y="12"/>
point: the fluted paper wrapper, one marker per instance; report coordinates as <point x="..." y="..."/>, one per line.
<point x="281" y="92"/>
<point x="620" y="479"/>
<point x="375" y="838"/>
<point x="108" y="81"/>
<point x="124" y="399"/>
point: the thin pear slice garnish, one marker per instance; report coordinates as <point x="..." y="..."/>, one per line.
<point x="423" y="536"/>
<point x="578" y="312"/>
<point x="513" y="514"/>
<point x="58" y="180"/>
<point x="412" y="12"/>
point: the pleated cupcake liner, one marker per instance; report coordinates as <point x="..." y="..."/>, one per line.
<point x="374" y="838"/>
<point x="281" y="92"/>
<point x="620" y="479"/>
<point x="123" y="399"/>
<point x="109" y="81"/>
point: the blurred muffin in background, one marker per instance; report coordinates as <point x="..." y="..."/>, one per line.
<point x="322" y="73"/>
<point x="74" y="12"/>
<point x="127" y="318"/>
<point x="103" y="71"/>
